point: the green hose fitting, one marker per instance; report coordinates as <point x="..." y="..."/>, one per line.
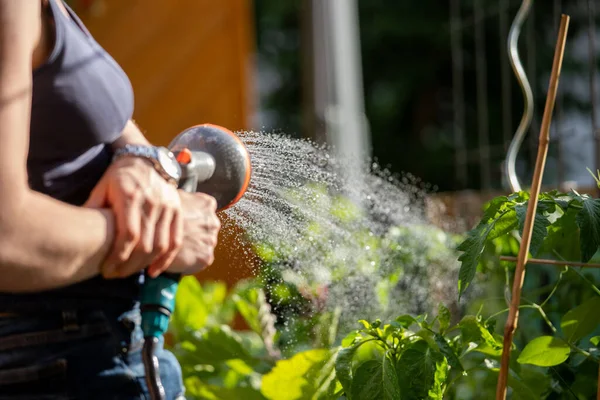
<point x="157" y="303"/>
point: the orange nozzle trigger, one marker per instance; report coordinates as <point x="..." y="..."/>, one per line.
<point x="184" y="156"/>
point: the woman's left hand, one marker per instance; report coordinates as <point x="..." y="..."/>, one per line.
<point x="148" y="217"/>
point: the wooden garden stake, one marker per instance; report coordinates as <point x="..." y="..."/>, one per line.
<point x="513" y="314"/>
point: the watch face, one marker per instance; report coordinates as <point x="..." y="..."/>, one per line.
<point x="168" y="163"/>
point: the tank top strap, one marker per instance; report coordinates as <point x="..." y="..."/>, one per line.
<point x="72" y="18"/>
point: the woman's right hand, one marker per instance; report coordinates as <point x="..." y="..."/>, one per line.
<point x="201" y="230"/>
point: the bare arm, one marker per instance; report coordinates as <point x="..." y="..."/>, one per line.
<point x="44" y="243"/>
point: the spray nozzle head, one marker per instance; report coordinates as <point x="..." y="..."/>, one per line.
<point x="216" y="162"/>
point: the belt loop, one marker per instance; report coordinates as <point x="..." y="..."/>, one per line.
<point x="70" y="322"/>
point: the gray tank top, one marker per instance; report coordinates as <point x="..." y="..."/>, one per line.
<point x="81" y="102"/>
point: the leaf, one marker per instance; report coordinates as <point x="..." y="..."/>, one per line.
<point x="368" y="381"/>
<point x="473" y="330"/>
<point x="294" y="378"/>
<point x="406" y="321"/>
<point x="343" y="365"/>
<point x="349" y="339"/>
<point x="563" y="236"/>
<point x="540" y="227"/>
<point x="443" y="317"/>
<point x="581" y="320"/>
<point x="256" y="311"/>
<point x="545" y="351"/>
<point x="199" y="305"/>
<point x="595" y="340"/>
<point x="473" y="246"/>
<point x="447" y="351"/>
<point x="520" y="389"/>
<point x="588" y="220"/>
<point x="391" y="386"/>
<point x="217" y="344"/>
<point x="214" y="392"/>
<point x="422" y="372"/>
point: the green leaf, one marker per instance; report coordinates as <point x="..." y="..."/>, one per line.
<point x="521" y="391"/>
<point x="581" y="320"/>
<point x="422" y="372"/>
<point x="540" y="227"/>
<point x="217" y="344"/>
<point x="197" y="306"/>
<point x="343" y="365"/>
<point x="215" y="392"/>
<point x="443" y="317"/>
<point x="563" y="236"/>
<point x="447" y="351"/>
<point x="473" y="330"/>
<point x="472" y="247"/>
<point x="545" y="351"/>
<point x="294" y="378"/>
<point x="391" y="386"/>
<point x="350" y="338"/>
<point x="366" y="324"/>
<point x="588" y="221"/>
<point x="368" y="381"/>
<point x="406" y="321"/>
<point x="595" y="340"/>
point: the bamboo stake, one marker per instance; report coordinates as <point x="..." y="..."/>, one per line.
<point x="513" y="314"/>
<point x="553" y="262"/>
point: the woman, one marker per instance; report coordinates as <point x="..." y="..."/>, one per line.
<point x="85" y="207"/>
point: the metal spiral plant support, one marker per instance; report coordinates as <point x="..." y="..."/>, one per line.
<point x="515" y="61"/>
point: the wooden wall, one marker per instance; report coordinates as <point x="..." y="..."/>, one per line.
<point x="189" y="62"/>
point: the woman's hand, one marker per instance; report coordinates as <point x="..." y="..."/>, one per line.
<point x="148" y="216"/>
<point x="201" y="230"/>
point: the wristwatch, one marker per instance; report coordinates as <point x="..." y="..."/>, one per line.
<point x="162" y="158"/>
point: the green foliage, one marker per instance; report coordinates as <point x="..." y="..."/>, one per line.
<point x="408" y="358"/>
<point x="545" y="351"/>
<point x="560" y="217"/>
<point x="581" y="320"/>
<point x="566" y="228"/>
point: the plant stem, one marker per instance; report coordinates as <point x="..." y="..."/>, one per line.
<point x="592" y="286"/>
<point x="543" y="314"/>
<point x="565" y="269"/>
<point x="506" y="310"/>
<point x="534" y="261"/>
<point x="533" y="306"/>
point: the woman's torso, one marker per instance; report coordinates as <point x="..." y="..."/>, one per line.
<point x="81" y="102"/>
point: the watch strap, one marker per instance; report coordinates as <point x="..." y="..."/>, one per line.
<point x="147" y="152"/>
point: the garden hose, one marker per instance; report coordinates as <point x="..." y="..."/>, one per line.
<point x="213" y="161"/>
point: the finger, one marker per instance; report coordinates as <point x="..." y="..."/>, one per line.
<point x="97" y="198"/>
<point x="143" y="254"/>
<point x="128" y="235"/>
<point x="175" y="245"/>
<point x="161" y="243"/>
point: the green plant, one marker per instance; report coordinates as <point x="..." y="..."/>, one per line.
<point x="563" y="347"/>
<point x="409" y="358"/>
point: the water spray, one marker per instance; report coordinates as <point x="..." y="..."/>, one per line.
<point x="213" y="161"/>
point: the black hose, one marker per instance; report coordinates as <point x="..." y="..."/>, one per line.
<point x="155" y="387"/>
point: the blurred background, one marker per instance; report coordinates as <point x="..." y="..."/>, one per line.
<point x="424" y="88"/>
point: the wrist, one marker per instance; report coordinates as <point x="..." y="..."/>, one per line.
<point x="161" y="158"/>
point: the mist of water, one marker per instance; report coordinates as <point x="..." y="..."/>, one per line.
<point x="364" y="241"/>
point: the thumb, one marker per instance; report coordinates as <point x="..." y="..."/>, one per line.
<point x="97" y="198"/>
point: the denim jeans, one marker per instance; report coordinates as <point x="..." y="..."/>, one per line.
<point x="79" y="354"/>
